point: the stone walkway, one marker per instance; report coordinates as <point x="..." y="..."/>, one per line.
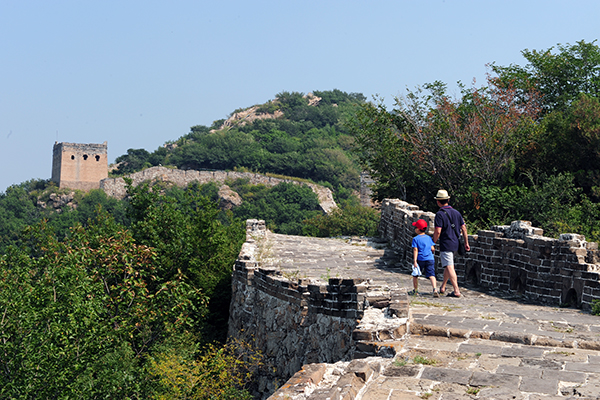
<point x="480" y="346"/>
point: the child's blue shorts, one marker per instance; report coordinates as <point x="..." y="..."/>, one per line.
<point x="427" y="267"/>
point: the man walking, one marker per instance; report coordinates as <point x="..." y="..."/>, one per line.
<point x="448" y="223"/>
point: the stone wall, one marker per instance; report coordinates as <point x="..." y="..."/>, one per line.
<point x="515" y="258"/>
<point x="115" y="187"/>
<point x="301" y="321"/>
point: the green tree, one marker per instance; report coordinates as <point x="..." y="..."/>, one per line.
<point x="430" y="141"/>
<point x="81" y="316"/>
<point x="571" y="140"/>
<point x="134" y="160"/>
<point x="191" y="240"/>
<point x="284" y="207"/>
<point x="559" y="76"/>
<point x="346" y="220"/>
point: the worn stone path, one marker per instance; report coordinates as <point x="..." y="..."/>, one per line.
<point x="481" y="346"/>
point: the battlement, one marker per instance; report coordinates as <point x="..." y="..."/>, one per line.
<point x="514" y="258"/>
<point x="79" y="165"/>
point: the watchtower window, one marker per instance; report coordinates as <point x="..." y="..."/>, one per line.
<point x="97" y="158"/>
<point x="85" y="156"/>
<point x="72" y="157"/>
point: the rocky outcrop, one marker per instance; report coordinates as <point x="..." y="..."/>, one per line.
<point x="228" y="199"/>
<point x="58" y="201"/>
<point x="249" y="115"/>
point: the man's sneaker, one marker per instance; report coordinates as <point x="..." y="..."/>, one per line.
<point x="413" y="293"/>
<point x="436" y="294"/>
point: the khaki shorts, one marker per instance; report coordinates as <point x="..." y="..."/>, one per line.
<point x="447" y="258"/>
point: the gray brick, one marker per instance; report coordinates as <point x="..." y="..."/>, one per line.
<point x="447" y="375"/>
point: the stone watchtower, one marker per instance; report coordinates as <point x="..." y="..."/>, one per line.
<point x="79" y="166"/>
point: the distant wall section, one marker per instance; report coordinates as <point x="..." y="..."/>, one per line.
<point x="79" y="166"/>
<point x="115" y="187"/>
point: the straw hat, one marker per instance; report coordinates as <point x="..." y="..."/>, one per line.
<point x="442" y="195"/>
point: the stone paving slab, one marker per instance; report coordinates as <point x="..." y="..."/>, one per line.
<point x="467" y="375"/>
<point x="487" y="345"/>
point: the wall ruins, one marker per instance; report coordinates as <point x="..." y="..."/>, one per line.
<point x="301" y="321"/>
<point x="115" y="187"/>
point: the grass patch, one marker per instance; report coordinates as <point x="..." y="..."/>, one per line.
<point x="400" y="363"/>
<point x="430" y="304"/>
<point x="424" y="360"/>
<point x="561" y="329"/>
<point x="563" y="353"/>
<point x="473" y="390"/>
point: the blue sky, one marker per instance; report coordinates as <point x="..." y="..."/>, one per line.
<point x="140" y="73"/>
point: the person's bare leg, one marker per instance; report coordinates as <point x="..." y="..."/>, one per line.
<point x="452" y="277"/>
<point x="446" y="277"/>
<point x="433" y="282"/>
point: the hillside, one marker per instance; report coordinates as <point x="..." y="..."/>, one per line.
<point x="294" y="134"/>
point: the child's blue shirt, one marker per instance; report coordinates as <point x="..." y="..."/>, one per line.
<point x="423" y="243"/>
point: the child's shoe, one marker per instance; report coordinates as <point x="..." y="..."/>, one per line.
<point x="413" y="292"/>
<point x="435" y="293"/>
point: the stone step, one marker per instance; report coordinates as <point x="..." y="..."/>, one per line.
<point x="449" y="368"/>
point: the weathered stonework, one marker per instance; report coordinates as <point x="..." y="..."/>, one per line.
<point x="115" y="187"/>
<point x="515" y="258"/>
<point x="299" y="321"/>
<point x="79" y="166"/>
<point x="366" y="192"/>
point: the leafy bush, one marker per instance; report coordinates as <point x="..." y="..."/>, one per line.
<point x="191" y="239"/>
<point x="595" y="307"/>
<point x="221" y="372"/>
<point x="347" y="220"/>
<point x="284" y="207"/>
<point x="80" y="316"/>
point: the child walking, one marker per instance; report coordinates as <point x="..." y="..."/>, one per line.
<point x="423" y="261"/>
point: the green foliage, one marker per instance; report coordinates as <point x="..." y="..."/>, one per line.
<point x="17" y="210"/>
<point x="382" y="152"/>
<point x="21" y="206"/>
<point x="430" y="141"/>
<point x="309" y="142"/>
<point x="595" y="307"/>
<point x="190" y="240"/>
<point x="424" y="360"/>
<point x="220" y="372"/>
<point x="560" y="77"/>
<point x="86" y="313"/>
<point x="346" y="220"/>
<point x="284" y="207"/>
<point x="571" y="142"/>
<point x="80" y="316"/>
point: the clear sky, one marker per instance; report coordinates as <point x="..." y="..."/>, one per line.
<point x="138" y="73"/>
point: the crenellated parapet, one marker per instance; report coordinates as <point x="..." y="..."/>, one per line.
<point x="515" y="258"/>
<point x="297" y="319"/>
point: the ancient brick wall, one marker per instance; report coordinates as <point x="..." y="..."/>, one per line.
<point x="115" y="187"/>
<point x="301" y="321"/>
<point x="515" y="258"/>
<point x="79" y="166"/>
<point x="366" y="191"/>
